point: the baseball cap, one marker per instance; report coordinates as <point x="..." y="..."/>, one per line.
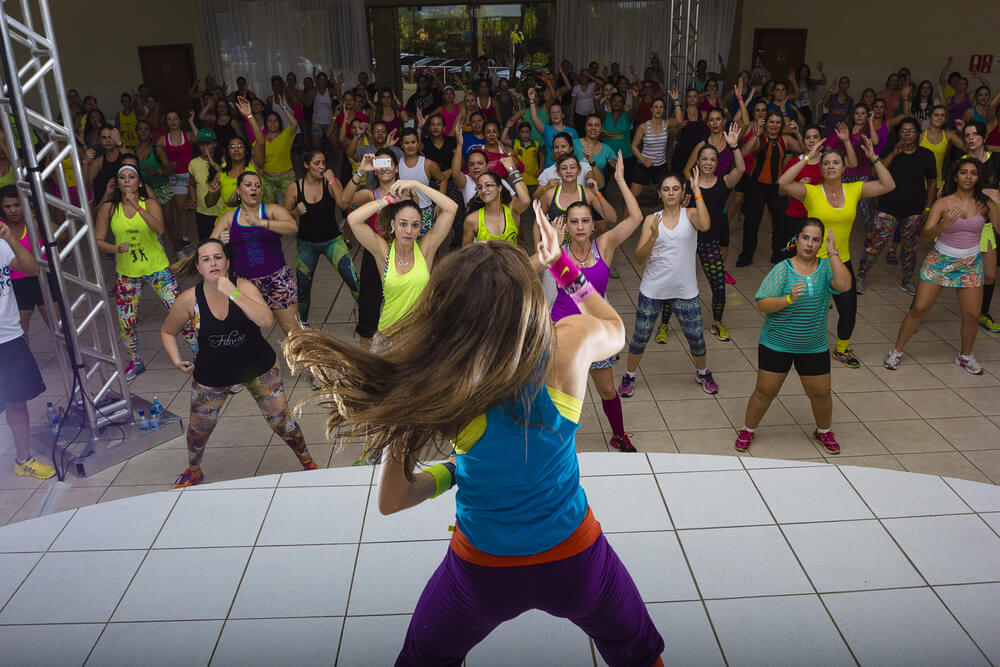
<point x="206" y="135"/>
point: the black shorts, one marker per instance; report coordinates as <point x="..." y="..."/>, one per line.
<point x="28" y="293"/>
<point x="806" y="363"/>
<point x="20" y="379"/>
<point x="741" y="185"/>
<point x="643" y="175"/>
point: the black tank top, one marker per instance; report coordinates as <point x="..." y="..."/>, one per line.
<point x="318" y="223"/>
<point x="715" y="201"/>
<point x="109" y="169"/>
<point x="224" y="133"/>
<point x="231" y="351"/>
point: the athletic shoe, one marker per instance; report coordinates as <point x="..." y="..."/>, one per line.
<point x="969" y="363"/>
<point x="661" y="334"/>
<point x="189" y="478"/>
<point x="33" y="468"/>
<point x="720" y="331"/>
<point x="988" y="323"/>
<point x="627" y="386"/>
<point x="743" y="440"/>
<point x="622" y="443"/>
<point x="707" y="382"/>
<point x="908" y="287"/>
<point x="890" y="256"/>
<point x="827" y="440"/>
<point x="729" y="279"/>
<point x="308" y="463"/>
<point x="235" y="389"/>
<point x="185" y="244"/>
<point x="134" y="369"/>
<point x="742" y="261"/>
<point x="892" y="359"/>
<point x="613" y="272"/>
<point x="847" y="358"/>
<point x="859" y="286"/>
<point x="305" y="325"/>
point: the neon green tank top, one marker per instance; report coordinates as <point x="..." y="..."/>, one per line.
<point x="145" y="255"/>
<point x="127" y="125"/>
<point x="939" y="149"/>
<point x="227" y="185"/>
<point x="401" y="290"/>
<point x="509" y="233"/>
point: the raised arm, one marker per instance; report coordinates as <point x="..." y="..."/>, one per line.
<point x="633" y="214"/>
<point x="647" y="238"/>
<point x="446" y="206"/>
<point x="358" y="221"/>
<point x="533" y="108"/>
<point x="457" y="174"/>
<point x="698" y="216"/>
<point x="257" y="140"/>
<point x="786" y="182"/>
<point x="734" y="175"/>
<point x="522" y="198"/>
<point x="885" y="182"/>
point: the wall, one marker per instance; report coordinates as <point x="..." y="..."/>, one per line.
<point x="97" y="47"/>
<point x="867" y="42"/>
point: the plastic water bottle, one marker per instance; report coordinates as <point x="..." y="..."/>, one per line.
<point x="143" y="422"/>
<point x="60" y="416"/>
<point x="52" y="416"/>
<point x="154" y="413"/>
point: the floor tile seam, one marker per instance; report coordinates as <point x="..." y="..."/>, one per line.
<point x="957" y="493"/>
<point x="354" y="569"/>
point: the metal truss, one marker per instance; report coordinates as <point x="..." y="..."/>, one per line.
<point x="682" y="42"/>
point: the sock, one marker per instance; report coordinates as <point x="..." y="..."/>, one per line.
<point x="843" y="344"/>
<point x="630" y="375"/>
<point x="963" y="357"/>
<point x="613" y="410"/>
<point x="987" y="298"/>
<point x="747" y="429"/>
<point x="703" y="373"/>
<point x="20" y="462"/>
<point x="822" y="430"/>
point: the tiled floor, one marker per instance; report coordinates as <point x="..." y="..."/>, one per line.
<point x="929" y="416"/>
<point x="740" y="560"/>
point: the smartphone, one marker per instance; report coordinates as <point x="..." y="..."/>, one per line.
<point x="382" y="163"/>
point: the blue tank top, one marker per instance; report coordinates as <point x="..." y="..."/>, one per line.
<point x="519" y="487"/>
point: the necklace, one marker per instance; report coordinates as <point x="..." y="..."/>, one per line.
<point x="581" y="262"/>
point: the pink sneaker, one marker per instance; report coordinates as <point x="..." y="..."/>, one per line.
<point x="827" y="440"/>
<point x="729" y="279"/>
<point x="743" y="440"/>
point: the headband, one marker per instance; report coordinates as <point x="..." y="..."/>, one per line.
<point x="128" y="166"/>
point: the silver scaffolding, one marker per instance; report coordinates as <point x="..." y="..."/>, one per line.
<point x="682" y="43"/>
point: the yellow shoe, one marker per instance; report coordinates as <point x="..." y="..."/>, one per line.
<point x="661" y="335"/>
<point x="34" y="468"/>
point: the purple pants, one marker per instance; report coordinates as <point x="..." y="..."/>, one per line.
<point x="463" y="602"/>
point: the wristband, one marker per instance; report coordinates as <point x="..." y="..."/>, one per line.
<point x="564" y="270"/>
<point x="697" y="197"/>
<point x="788" y="298"/>
<point x="877" y="159"/>
<point x="236" y="293"/>
<point x="514" y="177"/>
<point x="926" y="209"/>
<point x="580" y="289"/>
<point x="444" y="477"/>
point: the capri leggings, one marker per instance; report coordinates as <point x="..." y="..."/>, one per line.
<point x="370" y="297"/>
<point x="710" y="255"/>
<point x="688" y="312"/>
<point x="127" y="293"/>
<point x="885" y="224"/>
<point x="269" y="393"/>
<point x="847" y="307"/>
<point x="309" y="253"/>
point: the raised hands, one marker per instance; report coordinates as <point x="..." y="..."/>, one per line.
<point x="844" y="134"/>
<point x="393" y="138"/>
<point x="243" y="106"/>
<point x="868" y="148"/>
<point x="831" y="244"/>
<point x="620" y="169"/>
<point x="733" y="135"/>
<point x="548" y="237"/>
<point x="367" y="163"/>
<point x="695" y="180"/>
<point x="508" y="163"/>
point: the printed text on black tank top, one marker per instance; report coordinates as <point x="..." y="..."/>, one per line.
<point x="232" y="339"/>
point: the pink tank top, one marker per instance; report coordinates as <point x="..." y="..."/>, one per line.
<point x="449" y="118"/>
<point x="25" y="240"/>
<point x="179" y="155"/>
<point x="964" y="234"/>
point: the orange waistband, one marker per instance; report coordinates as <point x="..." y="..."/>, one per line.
<point x="585" y="535"/>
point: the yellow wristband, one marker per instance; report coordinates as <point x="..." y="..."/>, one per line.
<point x="788" y="298"/>
<point x="236" y="293"/>
<point x="443" y="476"/>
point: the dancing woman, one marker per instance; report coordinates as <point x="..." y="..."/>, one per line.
<point x="496" y="221"/>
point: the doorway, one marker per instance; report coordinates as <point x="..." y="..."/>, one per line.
<point x="169" y="71"/>
<point x="782" y="50"/>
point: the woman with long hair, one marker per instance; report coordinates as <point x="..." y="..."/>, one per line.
<point x="807" y="85"/>
<point x="313" y="201"/>
<point x="589" y="146"/>
<point x="135" y="223"/>
<point x="690" y="131"/>
<point x="955" y="224"/>
<point x="278" y="171"/>
<point x="839" y="104"/>
<point x="228" y="312"/>
<point x="506" y="385"/>
<point x="254" y="230"/>
<point x="238" y="157"/>
<point x="496" y="221"/>
<point x="710" y="99"/>
<point x="794" y="299"/>
<point x="923" y="103"/>
<point x="178" y="144"/>
<point x="449" y="111"/>
<point x="649" y="144"/>
<point x="415" y="167"/>
<point x="556" y="201"/>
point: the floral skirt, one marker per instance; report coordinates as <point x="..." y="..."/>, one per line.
<point x="948" y="271"/>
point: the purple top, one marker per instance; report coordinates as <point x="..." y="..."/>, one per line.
<point x="725" y="162"/>
<point x="837" y="113"/>
<point x="957" y="109"/>
<point x="256" y="251"/>
<point x="597" y="275"/>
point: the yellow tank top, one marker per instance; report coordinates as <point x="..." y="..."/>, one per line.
<point x="509" y="233"/>
<point x="126" y="127"/>
<point x="401" y="290"/>
<point x="145" y="255"/>
<point x="838" y="221"/>
<point x="939" y="149"/>
<point x="278" y="152"/>
<point x="227" y="185"/>
<point x="529" y="158"/>
<point x="68" y="173"/>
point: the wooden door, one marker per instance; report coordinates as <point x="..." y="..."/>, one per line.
<point x="169" y="71"/>
<point x="782" y="50"/>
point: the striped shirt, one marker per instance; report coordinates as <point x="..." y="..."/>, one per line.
<point x="799" y="328"/>
<point x="654" y="145"/>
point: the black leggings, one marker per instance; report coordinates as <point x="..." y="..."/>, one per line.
<point x="370" y="297"/>
<point x="757" y="196"/>
<point x="847" y="307"/>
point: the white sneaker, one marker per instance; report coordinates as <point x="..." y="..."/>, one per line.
<point x="908" y="287"/>
<point x="969" y="363"/>
<point x="859" y="287"/>
<point x="893" y="358"/>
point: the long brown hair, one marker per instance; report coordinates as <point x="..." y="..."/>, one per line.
<point x="480" y="335"/>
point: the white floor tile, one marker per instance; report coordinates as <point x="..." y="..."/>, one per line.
<point x="533" y="638"/>
<point x="993" y="519"/>
<point x="296" y="581"/>
<point x="184" y="584"/>
<point x="597" y="463"/>
<point x="13" y="569"/>
<point x="850" y="555"/>
<point x="278" y="641"/>
<point x="890" y="493"/>
<point x="381" y="586"/>
<point x="215" y="519"/>
<point x="656" y="564"/>
<point x="977" y="608"/>
<point x="809" y="494"/>
<point x="165" y="644"/>
<point x="686" y="633"/>
<point x="314" y="515"/>
<point x="47" y="645"/>
<point x="73" y="587"/>
<point x="713" y="499"/>
<point x="633" y="505"/>
<point x="372" y="640"/>
<point x="429" y="520"/>
<point x="349" y="476"/>
<point x="901" y="627"/>
<point x="754" y="463"/>
<point x="260" y="482"/>
<point x="693" y="462"/>
<point x="130" y="523"/>
<point x="931" y="543"/>
<point x="980" y="497"/>
<point x="736" y="562"/>
<point x="34" y="535"/>
<point x="791" y="630"/>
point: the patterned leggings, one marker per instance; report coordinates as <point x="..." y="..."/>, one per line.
<point x="710" y="255"/>
<point x="688" y="312"/>
<point x="127" y="293"/>
<point x="269" y="393"/>
<point x="885" y="224"/>
<point x="309" y="253"/>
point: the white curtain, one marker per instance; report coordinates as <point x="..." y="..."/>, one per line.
<point x="715" y="32"/>
<point x="260" y="38"/>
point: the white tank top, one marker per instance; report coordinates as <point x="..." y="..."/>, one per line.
<point x="322" y="108"/>
<point x="670" y="269"/>
<point x="417" y="174"/>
